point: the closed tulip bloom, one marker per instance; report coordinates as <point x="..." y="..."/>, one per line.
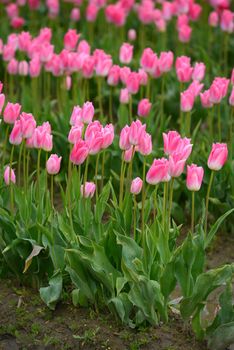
<point x="215" y="93"/>
<point x="124" y="74"/>
<point x="199" y="71"/>
<point x="93" y="128"/>
<point x="145" y="144"/>
<point x="88" y="67"/>
<point x="158" y="172"/>
<point x="148" y="59"/>
<point x="12" y="67"/>
<point x="227" y="21"/>
<point x="95" y="142"/>
<point x="9" y="176"/>
<point x="136" y="186"/>
<point x="176" y="165"/>
<point x="124" y="96"/>
<point x="87" y="112"/>
<point x="195" y="88"/>
<point x="186" y="101"/>
<point x="184" y="148"/>
<point x="171" y="141"/>
<point x="2" y="101"/>
<point x="88" y="190"/>
<point x="47" y="144"/>
<point x="144" y="107"/>
<point x="213" y="19"/>
<point x="185" y="32"/>
<point x="166" y="61"/>
<point x="76" y="116"/>
<point x="129" y="154"/>
<point x="70" y="39"/>
<point x="231" y="98"/>
<point x="79" y="152"/>
<point x="108" y="135"/>
<point x="143" y="77"/>
<point x="124" y="142"/>
<point x="195" y="11"/>
<point x="53" y="164"/>
<point x="218" y="156"/>
<point x="137" y="130"/>
<point x="91" y="12"/>
<point x="28" y="124"/>
<point x="16" y="134"/>
<point x="126" y="53"/>
<point x="132" y="35"/>
<point x="75" y="14"/>
<point x="11" y="112"/>
<point x="133" y="83"/>
<point x="23" y="68"/>
<point x="205" y="99"/>
<point x="113" y="75"/>
<point x="34" y="67"/>
<point x="39" y="137"/>
<point x="84" y="47"/>
<point x="75" y="133"/>
<point x="194" y="177"/>
<point x="103" y="65"/>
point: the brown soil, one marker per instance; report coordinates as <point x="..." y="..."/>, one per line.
<point x="26" y="323"/>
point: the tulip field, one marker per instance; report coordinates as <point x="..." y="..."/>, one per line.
<point x="117" y="174"/>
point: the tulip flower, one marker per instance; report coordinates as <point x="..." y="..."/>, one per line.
<point x="9" y="176"/>
<point x="87" y="190"/>
<point x="144" y="107"/>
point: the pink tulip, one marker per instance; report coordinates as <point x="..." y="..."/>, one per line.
<point x="185" y="32"/>
<point x="145" y="144"/>
<point x="195" y="88"/>
<point x="2" y="101"/>
<point x="144" y="107"/>
<point x="183" y="69"/>
<point x="113" y="75"/>
<point x="124" y="74"/>
<point x="34" y="67"/>
<point x="47" y="144"/>
<point x="124" y="143"/>
<point x="79" y="152"/>
<point x="176" y="165"/>
<point x="91" y="12"/>
<point x="186" y="101"/>
<point x="9" y="176"/>
<point x="108" y="135"/>
<point x="11" y="112"/>
<point x="132" y="35"/>
<point x="136" y="131"/>
<point x="126" y="53"/>
<point x="232" y="77"/>
<point x="205" y="99"/>
<point x="95" y="142"/>
<point x="129" y="154"/>
<point x="16" y="134"/>
<point x="53" y="164"/>
<point x="213" y="19"/>
<point x="184" y="148"/>
<point x="93" y="128"/>
<point x="194" y="177"/>
<point x="199" y="71"/>
<point x="215" y="93"/>
<point x="116" y="14"/>
<point x="23" y="68"/>
<point x="231" y="98"/>
<point x="28" y="124"/>
<point x="171" y="142"/>
<point x="88" y="190"/>
<point x="227" y="21"/>
<point x="87" y="113"/>
<point x="75" y="14"/>
<point x="76" y="116"/>
<point x="133" y="83"/>
<point x="136" y="186"/>
<point x="218" y="156"/>
<point x="143" y="77"/>
<point x="195" y="11"/>
<point x="148" y="60"/>
<point x="70" y="39"/>
<point x="88" y="67"/>
<point x="84" y="47"/>
<point x="75" y="133"/>
<point x="124" y="96"/>
<point x="103" y="63"/>
<point x="158" y="172"/>
<point x="12" y="67"/>
<point x="166" y="61"/>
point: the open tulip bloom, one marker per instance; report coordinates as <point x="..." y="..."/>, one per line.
<point x="111" y="142"/>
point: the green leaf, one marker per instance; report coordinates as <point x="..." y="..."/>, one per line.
<point x="222" y="337"/>
<point x="51" y="294"/>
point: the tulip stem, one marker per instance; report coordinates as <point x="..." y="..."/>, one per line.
<point x="193" y="211"/>
<point x="130" y="109"/>
<point x="230" y="132"/>
<point x="225" y="51"/>
<point x="19" y="161"/>
<point x="5" y="143"/>
<point x="207" y="198"/>
<point x="181" y="113"/>
<point x="170" y="202"/>
<point x="188" y="123"/>
<point x="85" y="174"/>
<point x="134" y="216"/>
<point x="165" y="195"/>
<point x="122" y="171"/>
<point x="27" y="169"/>
<point x="96" y="175"/>
<point x="143" y="198"/>
<point x="100" y="96"/>
<point x="52" y="191"/>
<point x="103" y="167"/>
<point x="210" y="121"/>
<point x="38" y="172"/>
<point x="24" y="167"/>
<point x="11" y="186"/>
<point x="155" y="202"/>
<point x="162" y="101"/>
<point x="219" y="122"/>
<point x="111" y="104"/>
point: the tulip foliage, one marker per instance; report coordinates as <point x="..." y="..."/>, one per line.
<point x="116" y="164"/>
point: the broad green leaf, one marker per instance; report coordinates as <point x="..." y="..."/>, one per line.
<point x="51" y="294"/>
<point x="222" y="337"/>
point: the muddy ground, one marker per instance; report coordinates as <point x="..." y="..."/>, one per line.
<point x="26" y="323"/>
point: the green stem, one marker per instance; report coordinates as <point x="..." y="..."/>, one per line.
<point x="5" y="144"/>
<point x="96" y="175"/>
<point x="165" y="195"/>
<point x="27" y="169"/>
<point x="193" y="210"/>
<point x="130" y="109"/>
<point x="100" y="96"/>
<point x="11" y="184"/>
<point x="207" y="198"/>
<point x="143" y="198"/>
<point x="38" y="172"/>
<point x="230" y="133"/>
<point x="103" y="168"/>
<point x="19" y="161"/>
<point x="121" y="181"/>
<point x="219" y="122"/>
<point x="188" y="123"/>
<point x="85" y="174"/>
<point x="155" y="202"/>
<point x="134" y="217"/>
<point x="170" y="202"/>
<point x="181" y="113"/>
<point x="52" y="191"/>
<point x="111" y="104"/>
<point x="162" y="101"/>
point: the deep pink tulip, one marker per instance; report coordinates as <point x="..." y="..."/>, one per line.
<point x="136" y="186"/>
<point x="108" y="135"/>
<point x="95" y="142"/>
<point x="93" y="128"/>
<point x="11" y="112"/>
<point x="137" y="130"/>
<point x="12" y="67"/>
<point x="124" y="74"/>
<point x="195" y="88"/>
<point x="158" y="172"/>
<point x="16" y="134"/>
<point x="184" y="148"/>
<point x="187" y="99"/>
<point x="166" y="61"/>
<point x="218" y="156"/>
<point x="143" y="77"/>
<point x="133" y="83"/>
<point x="194" y="177"/>
<point x="113" y="75"/>
<point x="148" y="60"/>
<point x="87" y="190"/>
<point x="144" y="107"/>
<point x="9" y="176"/>
<point x="79" y="152"/>
<point x="91" y="12"/>
<point x="34" y="67"/>
<point x="171" y="141"/>
<point x="70" y="39"/>
<point x="124" y="143"/>
<point x="28" y="124"/>
<point x="53" y="164"/>
<point x="227" y="21"/>
<point x="185" y="32"/>
<point x="126" y="53"/>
